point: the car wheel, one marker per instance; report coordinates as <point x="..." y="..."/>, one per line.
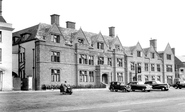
<point x="148" y="90"/>
<point x="162" y="89"/>
<point x="143" y="89"/>
<point x="112" y="89"/>
<point x="133" y="90"/>
<point x="124" y="90"/>
<point x="180" y="88"/>
<point x="116" y="90"/>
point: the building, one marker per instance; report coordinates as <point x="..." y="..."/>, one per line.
<point x="145" y="64"/>
<point x="51" y="54"/>
<point x="5" y="53"/>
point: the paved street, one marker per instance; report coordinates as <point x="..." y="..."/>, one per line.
<point x="93" y="101"/>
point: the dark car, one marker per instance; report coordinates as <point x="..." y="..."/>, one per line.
<point x="179" y="85"/>
<point x="119" y="86"/>
<point x="158" y="85"/>
<point x="137" y="85"/>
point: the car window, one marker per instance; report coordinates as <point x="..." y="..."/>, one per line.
<point x="140" y="82"/>
<point x="158" y="82"/>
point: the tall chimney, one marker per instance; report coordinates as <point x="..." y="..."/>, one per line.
<point x="0" y="7"/>
<point x="173" y="50"/>
<point x="70" y="24"/>
<point x="55" y="19"/>
<point x="153" y="42"/>
<point x="112" y="31"/>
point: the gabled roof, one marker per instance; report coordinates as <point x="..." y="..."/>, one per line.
<point x="2" y="19"/>
<point x="42" y="29"/>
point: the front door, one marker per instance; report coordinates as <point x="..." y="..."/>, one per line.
<point x="105" y="78"/>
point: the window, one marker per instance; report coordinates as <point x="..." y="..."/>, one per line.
<point x="139" y="78"/>
<point x="119" y="62"/>
<point x="55" y="38"/>
<point x="0" y="36"/>
<point x="25" y="36"/>
<point x="139" y="54"/>
<point x="117" y="47"/>
<point x="100" y="60"/>
<point x="182" y="70"/>
<point x="146" y="66"/>
<point x="91" y="75"/>
<point x="120" y="76"/>
<point x="91" y="60"/>
<point x="55" y="57"/>
<point x="158" y="78"/>
<point x="169" y="68"/>
<point x="81" y="41"/>
<point x="168" y="57"/>
<point x="110" y="61"/>
<point x="22" y="57"/>
<point x="0" y="54"/>
<point x="55" y="75"/>
<point x="100" y="45"/>
<point x="132" y="66"/>
<point x="83" y="59"/>
<point x="152" y="55"/>
<point x="152" y="67"/>
<point x="158" y="67"/>
<point x="146" y="77"/>
<point x="153" y="77"/>
<point x="83" y="76"/>
<point x="139" y="67"/>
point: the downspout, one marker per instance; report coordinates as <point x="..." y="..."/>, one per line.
<point x="114" y="64"/>
<point x="33" y="68"/>
<point x="76" y="63"/>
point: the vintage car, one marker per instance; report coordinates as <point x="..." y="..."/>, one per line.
<point x="158" y="85"/>
<point x="138" y="85"/>
<point x="179" y="85"/>
<point x="119" y="86"/>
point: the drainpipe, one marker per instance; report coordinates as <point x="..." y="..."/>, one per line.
<point x="114" y="64"/>
<point x="76" y="63"/>
<point x="33" y="68"/>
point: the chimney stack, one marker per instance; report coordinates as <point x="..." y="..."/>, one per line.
<point x="173" y="50"/>
<point x="70" y="24"/>
<point x="112" y="31"/>
<point x="0" y="7"/>
<point x="153" y="42"/>
<point x="55" y="19"/>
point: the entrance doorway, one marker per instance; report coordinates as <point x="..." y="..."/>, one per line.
<point x="105" y="78"/>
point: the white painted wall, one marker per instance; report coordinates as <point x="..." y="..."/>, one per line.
<point x="6" y="63"/>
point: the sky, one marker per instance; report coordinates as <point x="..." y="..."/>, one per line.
<point x="134" y="20"/>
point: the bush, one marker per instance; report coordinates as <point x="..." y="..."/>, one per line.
<point x="43" y="87"/>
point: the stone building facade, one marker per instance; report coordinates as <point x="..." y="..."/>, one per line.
<point x="145" y="64"/>
<point x="51" y="54"/>
<point x="54" y="54"/>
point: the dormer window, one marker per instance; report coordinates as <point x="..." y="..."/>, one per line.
<point x="117" y="47"/>
<point x="81" y="41"/>
<point x="100" y="45"/>
<point x="55" y="38"/>
<point x="168" y="57"/>
<point x="152" y="55"/>
<point x="25" y="36"/>
<point x="139" y="54"/>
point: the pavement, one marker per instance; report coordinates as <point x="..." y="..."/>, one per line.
<point x="52" y="90"/>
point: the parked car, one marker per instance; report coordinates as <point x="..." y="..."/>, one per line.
<point x="138" y="85"/>
<point x="179" y="84"/>
<point x="119" y="86"/>
<point x="158" y="85"/>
